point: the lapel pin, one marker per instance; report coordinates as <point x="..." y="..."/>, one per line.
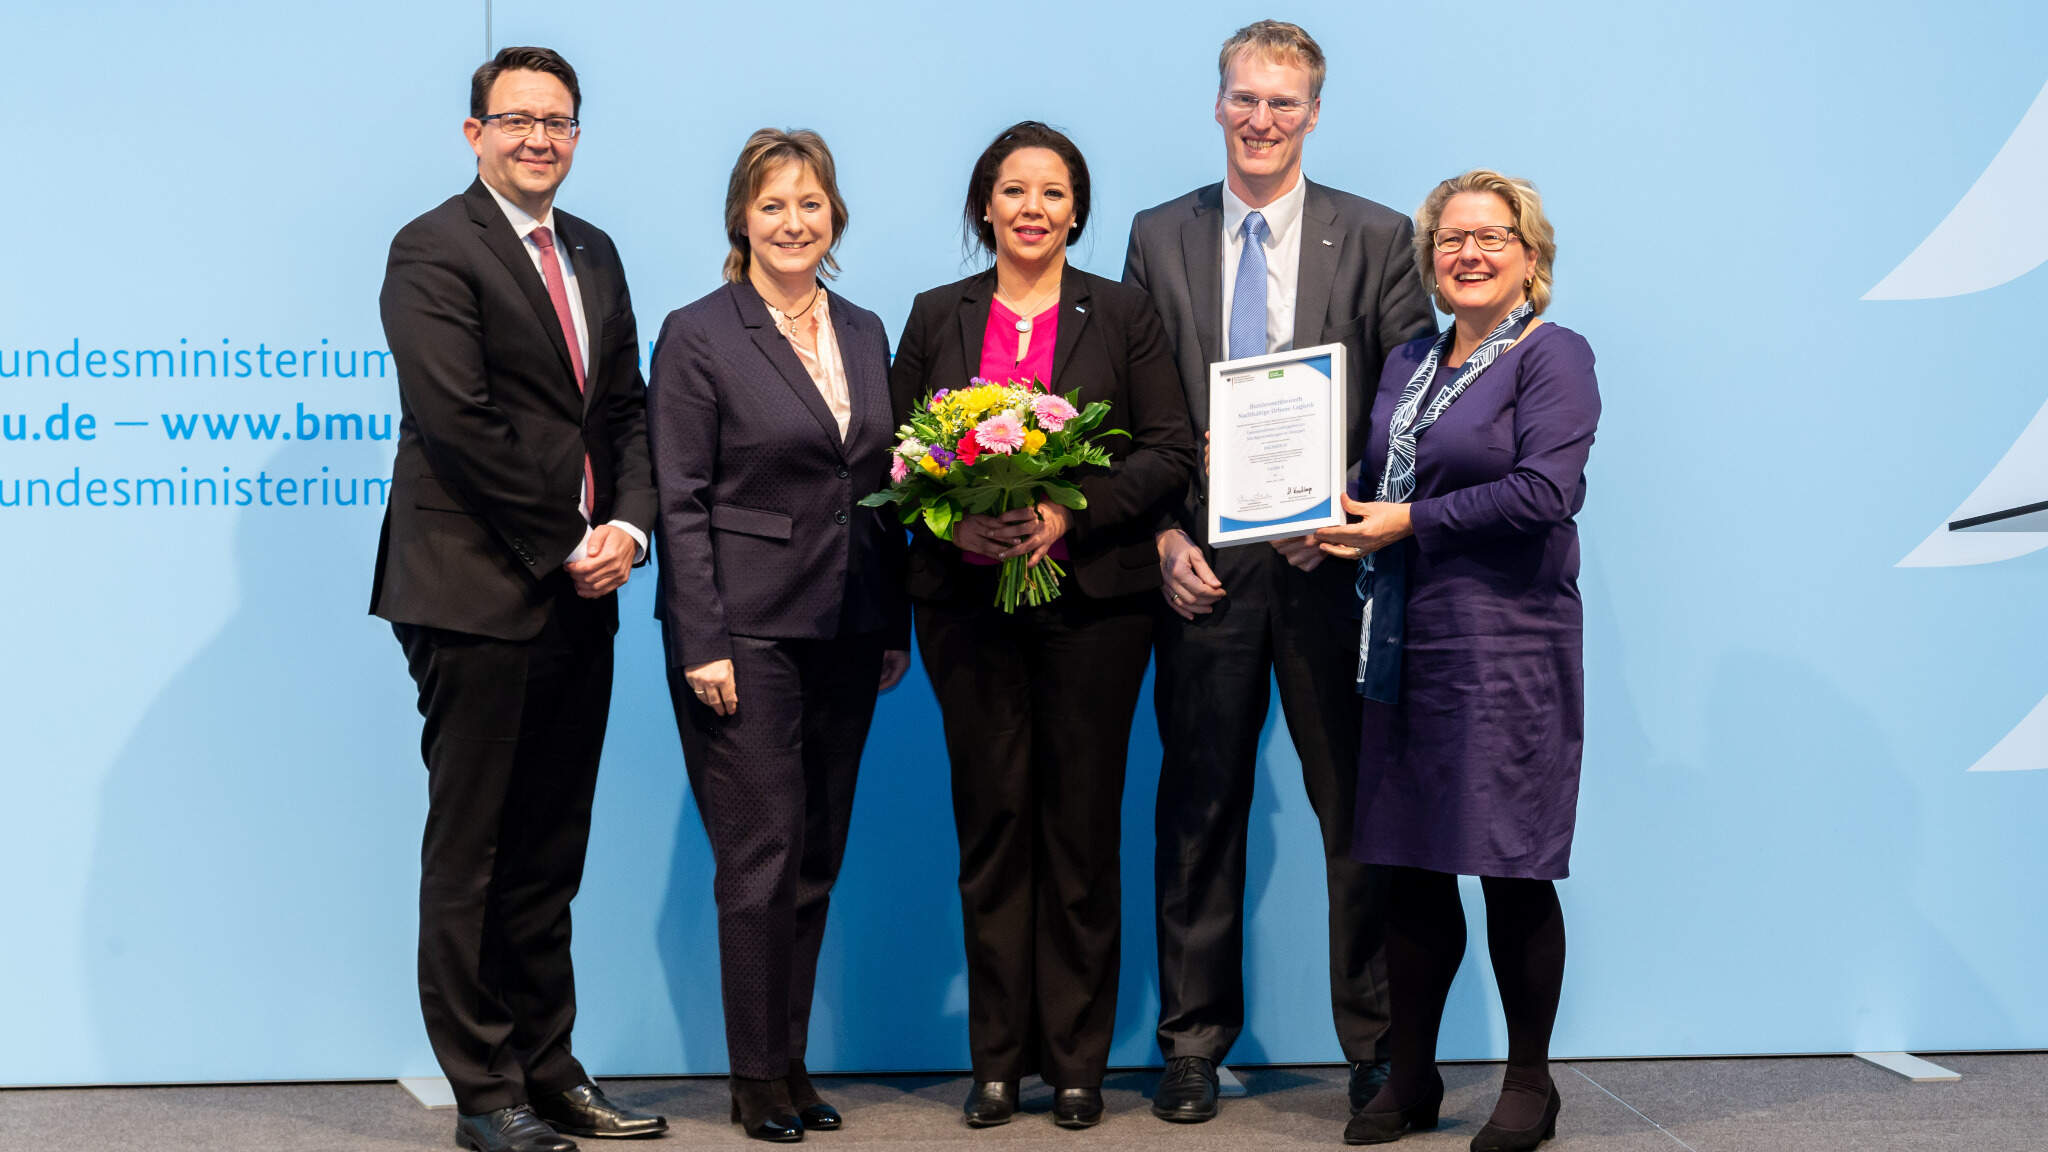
<point x="1326" y="244"/>
<point x="1080" y="309"/>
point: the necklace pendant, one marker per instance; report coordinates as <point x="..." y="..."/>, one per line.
<point x="1024" y="324"/>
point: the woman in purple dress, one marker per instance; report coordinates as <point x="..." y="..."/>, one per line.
<point x="1470" y="655"/>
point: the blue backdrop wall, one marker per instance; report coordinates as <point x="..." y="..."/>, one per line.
<point x="1799" y="237"/>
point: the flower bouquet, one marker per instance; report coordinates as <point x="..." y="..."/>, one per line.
<point x="989" y="448"/>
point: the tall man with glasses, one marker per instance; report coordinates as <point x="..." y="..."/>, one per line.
<point x="1263" y="262"/>
<point x="519" y="502"/>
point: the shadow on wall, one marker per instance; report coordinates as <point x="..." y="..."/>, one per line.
<point x="250" y="905"/>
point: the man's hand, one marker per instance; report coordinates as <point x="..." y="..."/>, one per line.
<point x="1379" y="525"/>
<point x="1300" y="551"/>
<point x="1189" y="586"/>
<point x="606" y="562"/>
<point x="895" y="662"/>
<point x="713" y="683"/>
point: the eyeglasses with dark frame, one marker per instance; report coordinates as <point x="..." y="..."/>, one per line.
<point x="1280" y="106"/>
<point x="520" y="124"/>
<point x="1491" y="238"/>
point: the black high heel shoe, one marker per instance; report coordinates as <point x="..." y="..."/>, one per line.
<point x="1496" y="1139"/>
<point x="989" y="1103"/>
<point x="811" y="1109"/>
<point x="1385" y="1127"/>
<point x="762" y="1108"/>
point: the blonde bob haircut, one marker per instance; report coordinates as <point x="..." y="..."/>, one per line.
<point x="1531" y="226"/>
<point x="1275" y="40"/>
<point x="766" y="150"/>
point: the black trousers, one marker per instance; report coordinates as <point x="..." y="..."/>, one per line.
<point x="1211" y="693"/>
<point x="1037" y="709"/>
<point x="774" y="783"/>
<point x="511" y="741"/>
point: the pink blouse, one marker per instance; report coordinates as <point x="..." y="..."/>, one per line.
<point x="999" y="360"/>
<point x="1001" y="364"/>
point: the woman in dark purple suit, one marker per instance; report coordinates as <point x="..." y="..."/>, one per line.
<point x="1470" y="655"/>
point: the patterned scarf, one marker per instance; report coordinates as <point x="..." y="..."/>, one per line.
<point x="1397" y="479"/>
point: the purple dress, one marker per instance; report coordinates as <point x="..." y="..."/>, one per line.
<point x="1475" y="769"/>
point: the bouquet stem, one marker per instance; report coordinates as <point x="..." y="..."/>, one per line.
<point x="1032" y="585"/>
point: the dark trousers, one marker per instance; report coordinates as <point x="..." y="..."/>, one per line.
<point x="1210" y="690"/>
<point x="511" y="742"/>
<point x="774" y="782"/>
<point x="1037" y="710"/>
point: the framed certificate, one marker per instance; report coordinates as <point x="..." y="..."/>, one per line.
<point x="1276" y="445"/>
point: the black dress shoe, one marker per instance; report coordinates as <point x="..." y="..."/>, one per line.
<point x="1496" y="1139"/>
<point x="817" y="1116"/>
<point x="1077" y="1107"/>
<point x="1187" y="1090"/>
<point x="1386" y="1125"/>
<point x="585" y="1111"/>
<point x="514" y="1129"/>
<point x="762" y="1108"/>
<point x="1367" y="1078"/>
<point x="990" y="1102"/>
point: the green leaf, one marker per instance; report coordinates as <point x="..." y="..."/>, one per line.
<point x="939" y="517"/>
<point x="1066" y="495"/>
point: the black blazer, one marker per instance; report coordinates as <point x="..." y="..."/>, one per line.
<point x="1111" y="347"/>
<point x="760" y="531"/>
<point x="492" y="433"/>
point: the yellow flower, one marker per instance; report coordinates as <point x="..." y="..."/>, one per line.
<point x="930" y="465"/>
<point x="1033" y="441"/>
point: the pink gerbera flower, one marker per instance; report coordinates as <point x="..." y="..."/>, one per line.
<point x="899" y="469"/>
<point x="1002" y="433"/>
<point x="1053" y="412"/>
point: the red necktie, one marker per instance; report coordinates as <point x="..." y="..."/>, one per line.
<point x="558" y="294"/>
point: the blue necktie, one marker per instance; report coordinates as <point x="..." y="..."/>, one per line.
<point x="1248" y="294"/>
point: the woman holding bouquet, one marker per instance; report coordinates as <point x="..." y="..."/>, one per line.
<point x="1037" y="703"/>
<point x="769" y="416"/>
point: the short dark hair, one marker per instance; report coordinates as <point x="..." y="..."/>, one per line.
<point x="521" y="60"/>
<point x="981" y="186"/>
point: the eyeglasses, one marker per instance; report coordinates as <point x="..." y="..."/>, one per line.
<point x="520" y="124"/>
<point x="1489" y="239"/>
<point x="1280" y="106"/>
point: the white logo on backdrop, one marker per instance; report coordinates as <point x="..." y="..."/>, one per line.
<point x="1989" y="239"/>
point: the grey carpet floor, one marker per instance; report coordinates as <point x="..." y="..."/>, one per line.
<point x="1811" y="1104"/>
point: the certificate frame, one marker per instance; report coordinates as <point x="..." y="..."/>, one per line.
<point x="1260" y="409"/>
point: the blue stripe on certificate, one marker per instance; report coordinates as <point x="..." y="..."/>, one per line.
<point x="1320" y="510"/>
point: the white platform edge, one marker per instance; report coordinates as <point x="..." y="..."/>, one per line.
<point x="1227" y="1083"/>
<point x="1910" y="1066"/>
<point x="430" y="1091"/>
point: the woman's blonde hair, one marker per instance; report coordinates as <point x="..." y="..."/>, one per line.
<point x="1531" y="226"/>
<point x="765" y="150"/>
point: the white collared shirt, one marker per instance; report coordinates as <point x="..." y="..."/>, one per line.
<point x="523" y="225"/>
<point x="1283" y="259"/>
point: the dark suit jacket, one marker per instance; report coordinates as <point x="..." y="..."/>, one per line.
<point x="492" y="433"/>
<point x="760" y="531"/>
<point x="1357" y="286"/>
<point x="1110" y="347"/>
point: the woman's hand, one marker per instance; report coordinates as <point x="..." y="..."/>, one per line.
<point x="895" y="662"/>
<point x="991" y="536"/>
<point x="1379" y="525"/>
<point x="713" y="683"/>
<point x="1047" y="522"/>
<point x="1014" y="533"/>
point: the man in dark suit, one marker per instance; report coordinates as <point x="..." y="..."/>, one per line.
<point x="1263" y="262"/>
<point x="520" y="499"/>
